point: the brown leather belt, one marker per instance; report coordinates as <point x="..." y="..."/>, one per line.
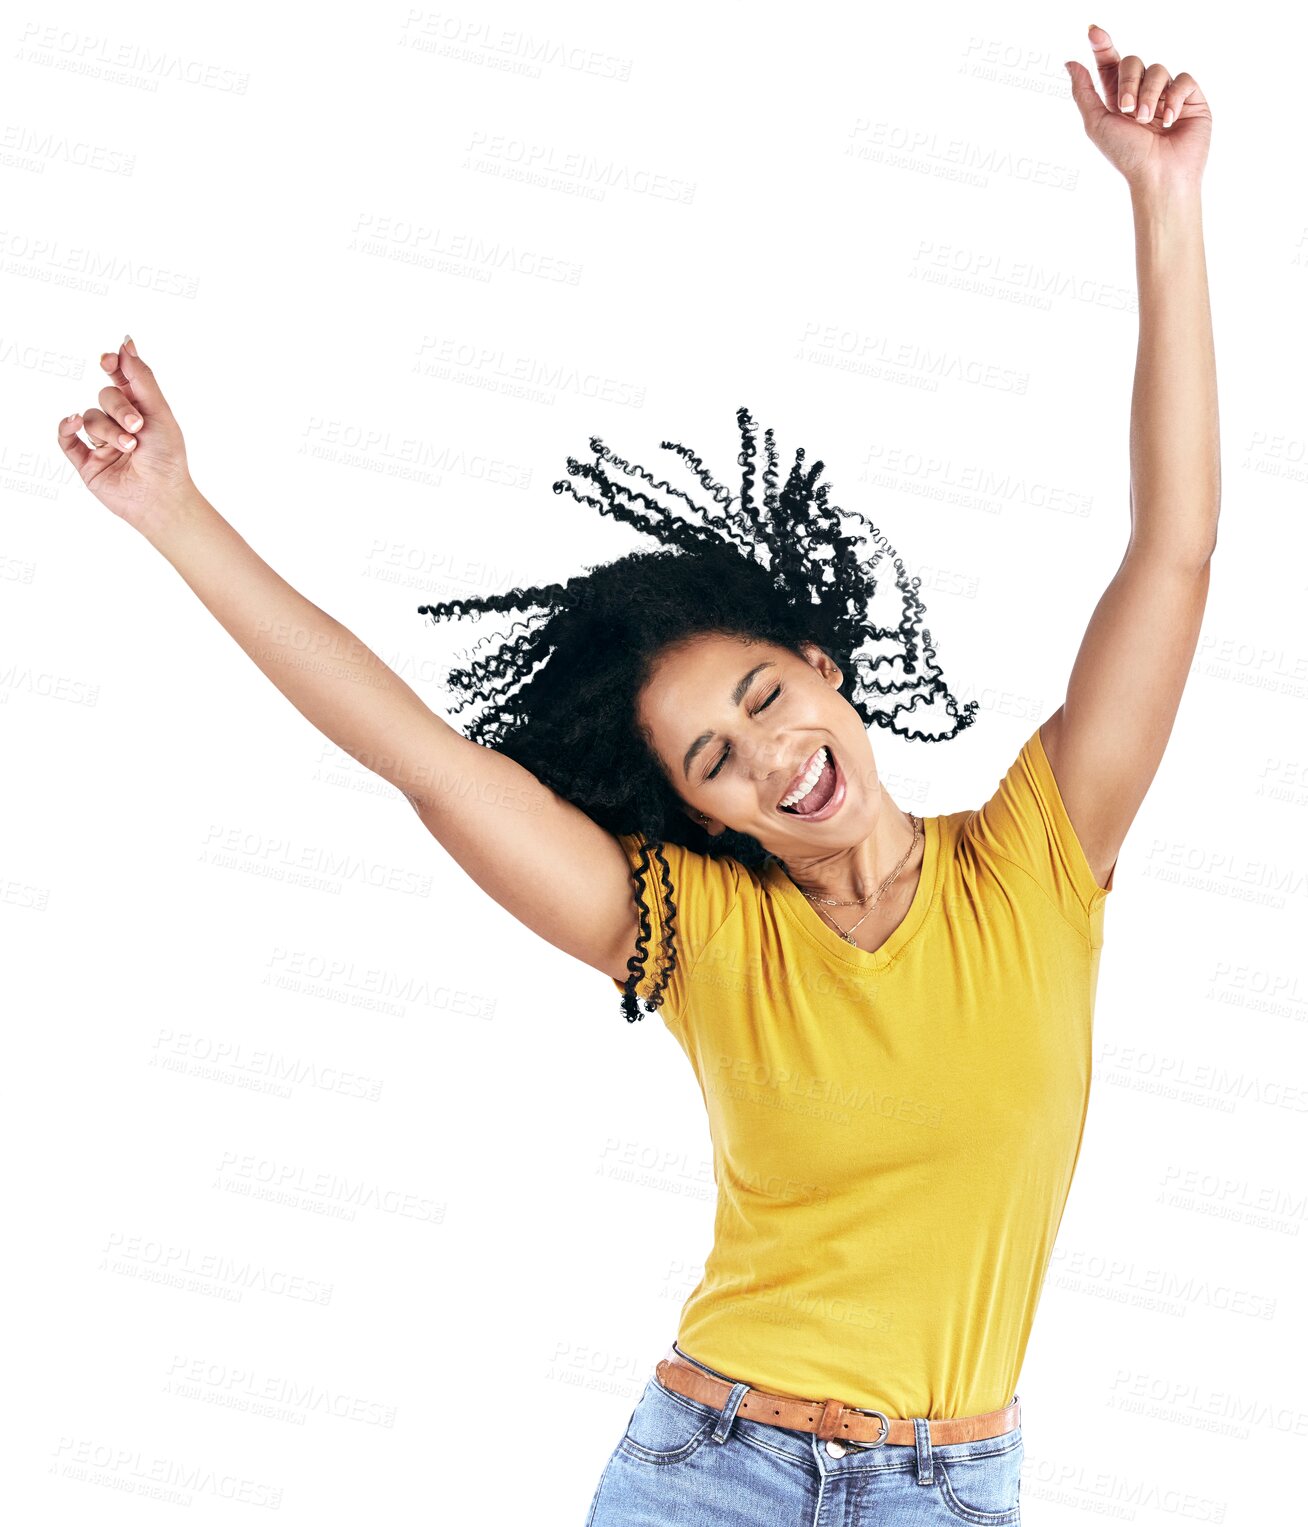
<point x="829" y="1419"/>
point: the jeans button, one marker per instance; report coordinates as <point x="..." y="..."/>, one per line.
<point x="836" y="1449"/>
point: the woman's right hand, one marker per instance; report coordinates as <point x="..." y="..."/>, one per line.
<point x="136" y="462"/>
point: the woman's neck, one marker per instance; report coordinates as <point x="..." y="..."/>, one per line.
<point x="894" y="848"/>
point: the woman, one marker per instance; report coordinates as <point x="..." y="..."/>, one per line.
<point x="889" y="1016"/>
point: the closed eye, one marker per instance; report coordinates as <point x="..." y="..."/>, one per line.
<point x="717" y="767"/>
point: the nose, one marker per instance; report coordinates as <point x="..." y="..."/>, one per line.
<point x="765" y="760"/>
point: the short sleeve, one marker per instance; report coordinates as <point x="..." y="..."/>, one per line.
<point x="704" y="891"/>
<point x="1026" y="823"/>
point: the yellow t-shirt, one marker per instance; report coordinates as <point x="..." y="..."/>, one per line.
<point x="895" y="1132"/>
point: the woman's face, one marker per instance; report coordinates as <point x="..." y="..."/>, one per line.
<point x="736" y="723"/>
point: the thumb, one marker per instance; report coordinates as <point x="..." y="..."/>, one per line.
<point x="1084" y="94"/>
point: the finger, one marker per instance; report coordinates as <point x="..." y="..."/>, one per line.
<point x="1129" y="74"/>
<point x="1184" y="90"/>
<point x="71" y="442"/>
<point x="102" y="431"/>
<point x="1156" y="80"/>
<point x="120" y="408"/>
<point x="111" y="360"/>
<point x="1107" y="60"/>
<point x="130" y="373"/>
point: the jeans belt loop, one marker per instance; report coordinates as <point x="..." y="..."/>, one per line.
<point x="926" y="1469"/>
<point x="724" y="1422"/>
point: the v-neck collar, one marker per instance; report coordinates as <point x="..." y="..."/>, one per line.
<point x="819" y="931"/>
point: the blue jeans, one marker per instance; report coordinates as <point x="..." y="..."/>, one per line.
<point x="686" y="1464"/>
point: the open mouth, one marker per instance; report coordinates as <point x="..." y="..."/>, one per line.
<point x="819" y="791"/>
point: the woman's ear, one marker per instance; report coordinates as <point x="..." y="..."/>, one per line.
<point x="709" y="824"/>
<point x="824" y="665"/>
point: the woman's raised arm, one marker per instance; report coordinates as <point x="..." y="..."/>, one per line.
<point x="534" y="852"/>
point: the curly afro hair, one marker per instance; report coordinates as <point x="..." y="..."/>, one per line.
<point x="776" y="562"/>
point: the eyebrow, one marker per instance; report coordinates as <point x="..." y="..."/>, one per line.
<point x="737" y="695"/>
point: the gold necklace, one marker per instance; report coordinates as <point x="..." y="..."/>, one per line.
<point x="830" y="901"/>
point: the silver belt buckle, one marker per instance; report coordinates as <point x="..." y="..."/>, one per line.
<point x="858" y="1447"/>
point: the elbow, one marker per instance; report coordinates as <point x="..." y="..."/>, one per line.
<point x="1166" y="547"/>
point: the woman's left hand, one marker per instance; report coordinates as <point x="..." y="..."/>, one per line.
<point x="1155" y="128"/>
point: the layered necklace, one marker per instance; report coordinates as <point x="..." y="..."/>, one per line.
<point x="820" y="901"/>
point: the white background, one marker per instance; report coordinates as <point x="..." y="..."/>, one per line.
<point x="343" y="237"/>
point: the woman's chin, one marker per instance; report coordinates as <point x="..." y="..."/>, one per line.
<point x="846" y="829"/>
